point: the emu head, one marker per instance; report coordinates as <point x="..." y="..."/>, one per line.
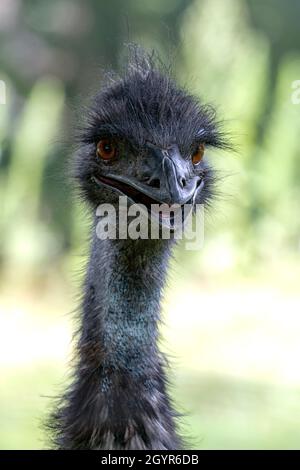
<point x="146" y="138"/>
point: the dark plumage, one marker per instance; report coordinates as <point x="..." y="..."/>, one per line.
<point x="118" y="397"/>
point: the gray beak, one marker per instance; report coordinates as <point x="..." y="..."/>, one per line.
<point x="164" y="177"/>
<point x="171" y="180"/>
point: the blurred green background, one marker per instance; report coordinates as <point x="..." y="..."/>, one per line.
<point x="232" y="309"/>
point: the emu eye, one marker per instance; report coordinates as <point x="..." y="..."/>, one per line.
<point x="106" y="149"/>
<point x="198" y="154"/>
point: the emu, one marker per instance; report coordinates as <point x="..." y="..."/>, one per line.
<point x="143" y="137"/>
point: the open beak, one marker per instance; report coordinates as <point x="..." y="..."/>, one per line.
<point x="166" y="179"/>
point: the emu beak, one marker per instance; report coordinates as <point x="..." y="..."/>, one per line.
<point x="165" y="179"/>
<point x="170" y="179"/>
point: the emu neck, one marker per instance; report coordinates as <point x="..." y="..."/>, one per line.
<point x="119" y="398"/>
<point x="125" y="282"/>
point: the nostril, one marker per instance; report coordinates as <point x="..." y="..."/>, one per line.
<point x="183" y="182"/>
<point x="154" y="183"/>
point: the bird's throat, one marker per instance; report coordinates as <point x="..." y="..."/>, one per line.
<point x="125" y="283"/>
<point x="119" y="398"/>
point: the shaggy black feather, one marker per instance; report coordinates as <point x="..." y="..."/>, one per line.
<point x="118" y="397"/>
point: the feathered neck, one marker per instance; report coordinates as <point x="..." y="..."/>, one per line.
<point x="127" y="278"/>
<point x="118" y="399"/>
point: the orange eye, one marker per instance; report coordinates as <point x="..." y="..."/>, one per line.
<point x="198" y="154"/>
<point x="106" y="149"/>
